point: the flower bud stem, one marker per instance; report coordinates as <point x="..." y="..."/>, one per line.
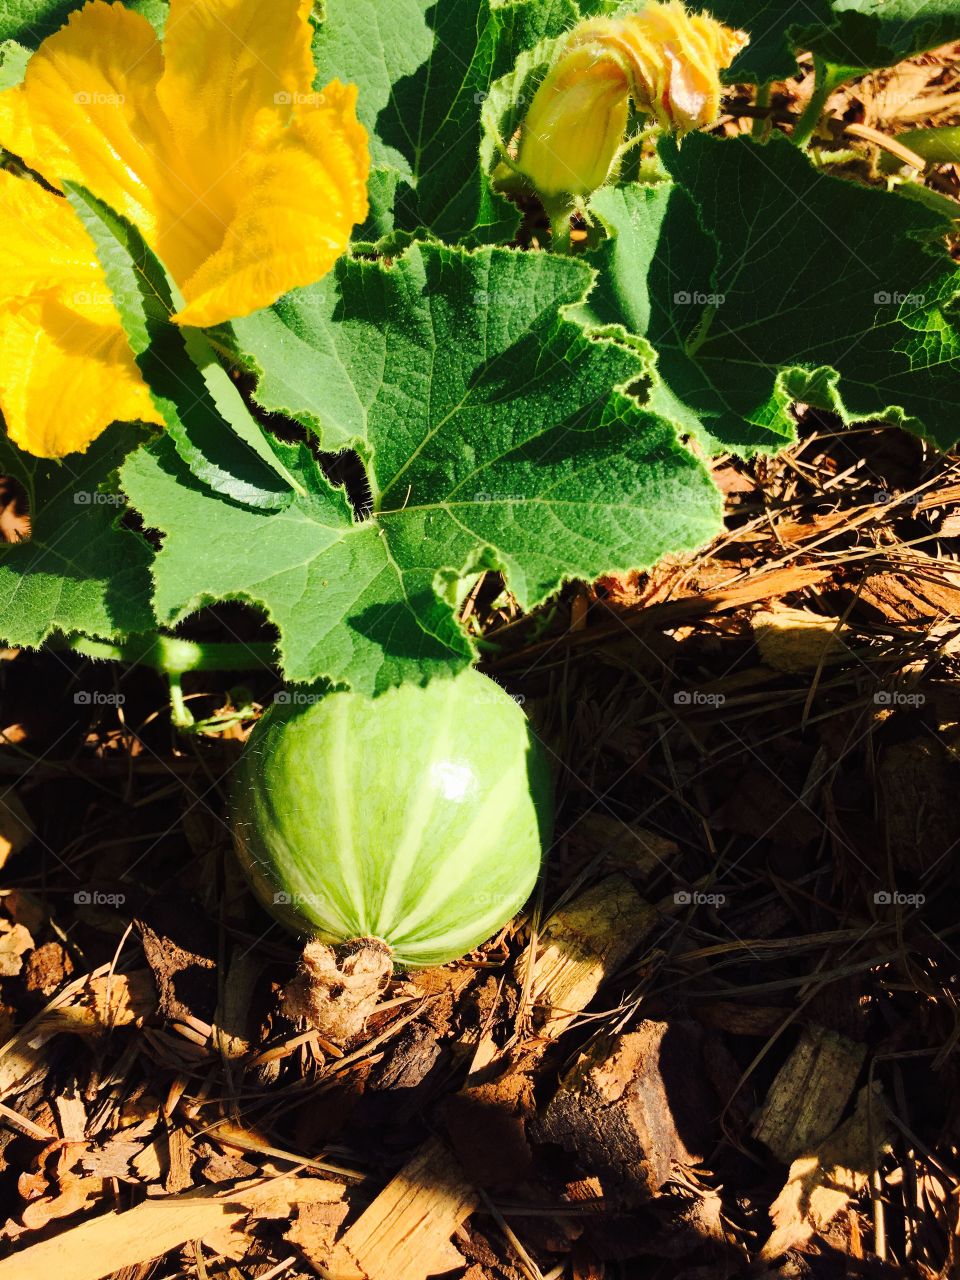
<point x="559" y="210"/>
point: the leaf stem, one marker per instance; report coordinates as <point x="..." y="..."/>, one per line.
<point x="828" y="77"/>
<point x="173" y="656"/>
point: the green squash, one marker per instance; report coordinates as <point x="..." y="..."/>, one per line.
<point x="417" y="818"/>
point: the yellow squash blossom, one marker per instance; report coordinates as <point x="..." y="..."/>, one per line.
<point x="664" y="58"/>
<point x="243" y="180"/>
<point x="66" y="368"/>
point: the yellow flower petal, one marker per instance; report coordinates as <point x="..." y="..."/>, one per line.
<point x="245" y="182"/>
<point x="87" y="110"/>
<point x="575" y="124"/>
<point x="65" y="379"/>
<point x="303" y="193"/>
<point x="67" y="369"/>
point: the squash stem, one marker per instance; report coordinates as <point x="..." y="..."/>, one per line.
<point x="173" y="656"/>
<point x="827" y="78"/>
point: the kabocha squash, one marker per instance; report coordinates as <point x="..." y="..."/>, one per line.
<point x="417" y="818"/>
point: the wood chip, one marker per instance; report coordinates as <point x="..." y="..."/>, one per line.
<point x="580" y="946"/>
<point x="15" y="940"/>
<point x="16" y="826"/>
<point x="823" y="1182"/>
<point x="634" y="848"/>
<point x="796" y="640"/>
<point x="405" y="1234"/>
<point x="103" y="1245"/>
<point x="809" y="1093"/>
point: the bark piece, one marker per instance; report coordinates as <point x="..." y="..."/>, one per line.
<point x="583" y="944"/>
<point x="182" y="959"/>
<point x="487" y="1129"/>
<point x="46" y="968"/>
<point x="809" y="1093"/>
<point x="634" y="1108"/>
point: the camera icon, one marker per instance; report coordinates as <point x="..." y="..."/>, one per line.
<point x="81" y="498"/>
<point x="83" y="897"/>
<point x="282" y="699"/>
<point x="683" y="897"/>
<point x="282" y="900"/>
<point x="82" y="98"/>
<point x="682" y="298"/>
<point x="882" y="298"/>
<point x="480" y="98"/>
<point x="882" y="898"/>
<point x="283" y="99"/>
<point x="682" y="699"/>
<point x="883" y="698"/>
<point x="83" y="698"/>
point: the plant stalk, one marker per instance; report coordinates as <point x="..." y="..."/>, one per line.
<point x="174" y="657"/>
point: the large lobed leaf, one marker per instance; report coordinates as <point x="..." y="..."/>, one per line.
<point x="424" y="68"/>
<point x="760" y="281"/>
<point x="859" y="34"/>
<point x="492" y="439"/>
<point x="79" y="570"/>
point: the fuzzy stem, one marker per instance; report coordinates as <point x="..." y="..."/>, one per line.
<point x="559" y="210"/>
<point x="173" y="656"/>
<point x="828" y="77"/>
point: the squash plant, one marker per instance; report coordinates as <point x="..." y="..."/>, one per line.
<point x="324" y="206"/>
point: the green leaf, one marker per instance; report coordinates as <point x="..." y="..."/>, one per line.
<point x="759" y="281"/>
<point x="30" y="21"/>
<point x="13" y="63"/>
<point x="492" y="439"/>
<point x="79" y="570"/>
<point x="854" y="33"/>
<point x="209" y="424"/>
<point x="880" y="33"/>
<point x="424" y="69"/>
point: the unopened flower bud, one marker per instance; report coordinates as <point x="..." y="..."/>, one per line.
<point x="667" y="60"/>
<point x="576" y="123"/>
